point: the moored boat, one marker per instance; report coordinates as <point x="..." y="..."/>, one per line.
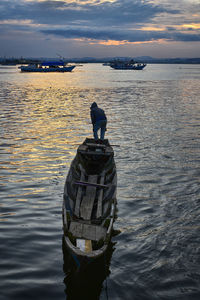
<point x="89" y="202"/>
<point x="127" y="65"/>
<point x="51" y="66"/>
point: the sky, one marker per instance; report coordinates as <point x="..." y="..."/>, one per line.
<point x="100" y="28"/>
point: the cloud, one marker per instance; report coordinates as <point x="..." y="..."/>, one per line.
<point x="116" y="18"/>
<point x="124" y="35"/>
<point x="108" y="22"/>
<point x="61" y="12"/>
<point x="183" y="37"/>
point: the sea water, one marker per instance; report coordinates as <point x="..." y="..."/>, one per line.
<point x="153" y="117"/>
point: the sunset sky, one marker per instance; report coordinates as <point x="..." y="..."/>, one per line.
<point x="101" y="28"/>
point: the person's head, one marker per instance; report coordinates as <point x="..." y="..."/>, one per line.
<point x="93" y="105"/>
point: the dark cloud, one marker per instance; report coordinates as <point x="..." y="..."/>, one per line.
<point x="184" y="37"/>
<point x="121" y="35"/>
<point x="60" y="12"/>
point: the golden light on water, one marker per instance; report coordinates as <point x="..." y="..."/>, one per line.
<point x="51" y="120"/>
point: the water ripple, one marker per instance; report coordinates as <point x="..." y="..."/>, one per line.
<point x="154" y="117"/>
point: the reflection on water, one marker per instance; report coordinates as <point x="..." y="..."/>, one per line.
<point x="90" y="282"/>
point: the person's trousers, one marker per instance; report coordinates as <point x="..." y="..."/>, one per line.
<point x="99" y="125"/>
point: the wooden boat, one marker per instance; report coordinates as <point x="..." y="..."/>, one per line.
<point x="89" y="202"/>
<point x="52" y="66"/>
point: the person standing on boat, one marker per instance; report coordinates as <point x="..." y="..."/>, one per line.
<point x="99" y="121"/>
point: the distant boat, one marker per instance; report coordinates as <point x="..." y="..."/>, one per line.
<point x="127" y="65"/>
<point x="89" y="204"/>
<point x="47" y="66"/>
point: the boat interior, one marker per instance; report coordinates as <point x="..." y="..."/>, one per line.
<point x="90" y="188"/>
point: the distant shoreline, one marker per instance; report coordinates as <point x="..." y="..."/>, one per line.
<point x="148" y="60"/>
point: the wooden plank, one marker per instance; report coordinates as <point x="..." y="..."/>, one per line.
<point x="96" y="145"/>
<point x="88" y="246"/>
<point x="87" y="231"/>
<point x="93" y="232"/>
<point x="79" y="194"/>
<point x="76" y="229"/>
<point x="105" y="207"/>
<point x="100" y="198"/>
<point x="88" y="199"/>
<point x="95" y="153"/>
<point x="100" y="232"/>
<point x="91" y="184"/>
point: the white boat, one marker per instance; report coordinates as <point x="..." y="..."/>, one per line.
<point x="47" y="66"/>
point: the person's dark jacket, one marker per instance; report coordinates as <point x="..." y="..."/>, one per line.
<point x="96" y="113"/>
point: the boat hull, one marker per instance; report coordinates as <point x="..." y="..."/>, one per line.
<point x="128" y="67"/>
<point x="82" y="258"/>
<point x="46" y="70"/>
<point x="89" y="208"/>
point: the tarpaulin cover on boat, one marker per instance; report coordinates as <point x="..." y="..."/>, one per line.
<point x="53" y="63"/>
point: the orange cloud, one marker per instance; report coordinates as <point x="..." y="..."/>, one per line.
<point x="151" y="28"/>
<point x="192" y="25"/>
<point x="125" y="42"/>
<point x="112" y="42"/>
